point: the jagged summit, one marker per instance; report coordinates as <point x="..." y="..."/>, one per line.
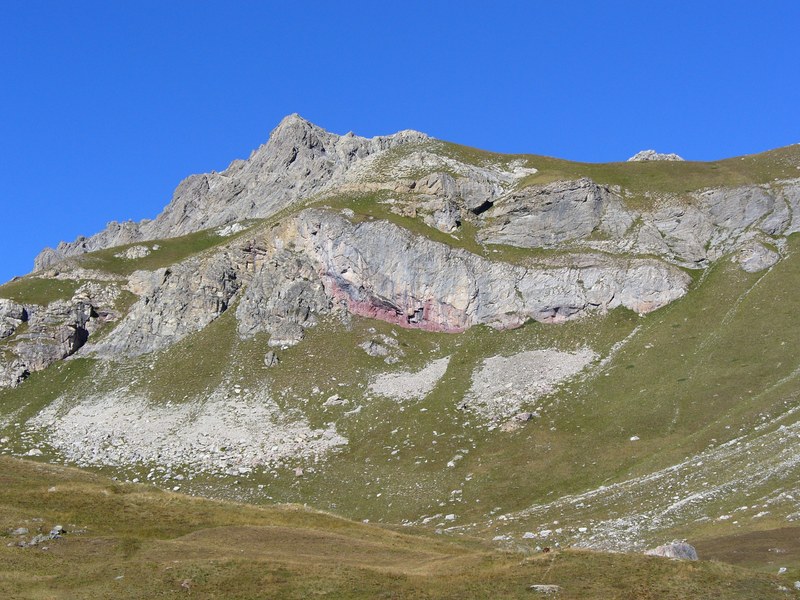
<point x="299" y="160"/>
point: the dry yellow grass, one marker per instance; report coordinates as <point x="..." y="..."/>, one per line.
<point x="130" y="541"/>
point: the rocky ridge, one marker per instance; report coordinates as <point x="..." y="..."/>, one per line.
<point x="299" y="160"/>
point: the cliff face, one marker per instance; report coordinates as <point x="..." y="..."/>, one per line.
<point x="379" y="270"/>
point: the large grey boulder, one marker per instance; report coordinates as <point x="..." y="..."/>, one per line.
<point x="755" y="257"/>
<point x="675" y="550"/>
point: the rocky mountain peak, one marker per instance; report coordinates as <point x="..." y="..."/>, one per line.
<point x="299" y="160"/>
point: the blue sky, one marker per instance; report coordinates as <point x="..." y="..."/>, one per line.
<point x="106" y="106"/>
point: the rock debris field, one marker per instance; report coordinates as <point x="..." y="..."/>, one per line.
<point x="504" y="384"/>
<point x="410" y="385"/>
<point x="220" y="435"/>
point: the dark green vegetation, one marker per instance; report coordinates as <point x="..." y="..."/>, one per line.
<point x="130" y="541"/>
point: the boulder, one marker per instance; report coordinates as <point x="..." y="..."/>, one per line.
<point x="755" y="257"/>
<point x="674" y="550"/>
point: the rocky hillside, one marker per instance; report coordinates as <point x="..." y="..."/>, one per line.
<point x="407" y="330"/>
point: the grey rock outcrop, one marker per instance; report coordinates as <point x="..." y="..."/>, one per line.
<point x="12" y="315"/>
<point x="447" y="218"/>
<point x="53" y="332"/>
<point x="473" y="192"/>
<point x="173" y="302"/>
<point x="299" y="160"/>
<point x="285" y="296"/>
<point x="13" y="371"/>
<point x="647" y="155"/>
<point x="691" y="233"/>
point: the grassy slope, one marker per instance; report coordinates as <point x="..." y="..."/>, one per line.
<point x="136" y="542"/>
<point x="683" y="380"/>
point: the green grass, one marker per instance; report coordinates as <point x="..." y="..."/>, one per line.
<point x="639" y="178"/>
<point x="170" y="251"/>
<point x="37" y="290"/>
<point x="136" y="542"/>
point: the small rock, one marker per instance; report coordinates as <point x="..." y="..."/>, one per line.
<point x="57" y="531"/>
<point x="335" y="400"/>
<point x="20" y="531"/>
<point x="450" y="517"/>
<point x="373" y="348"/>
<point x="543" y="588"/>
<point x="528" y="535"/>
<point x="271" y="359"/>
<point x="36" y="540"/>
<point x="298" y="472"/>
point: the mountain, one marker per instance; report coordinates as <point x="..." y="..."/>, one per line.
<point x="516" y="348"/>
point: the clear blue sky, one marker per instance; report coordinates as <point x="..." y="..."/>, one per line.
<point x="105" y="106"/>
